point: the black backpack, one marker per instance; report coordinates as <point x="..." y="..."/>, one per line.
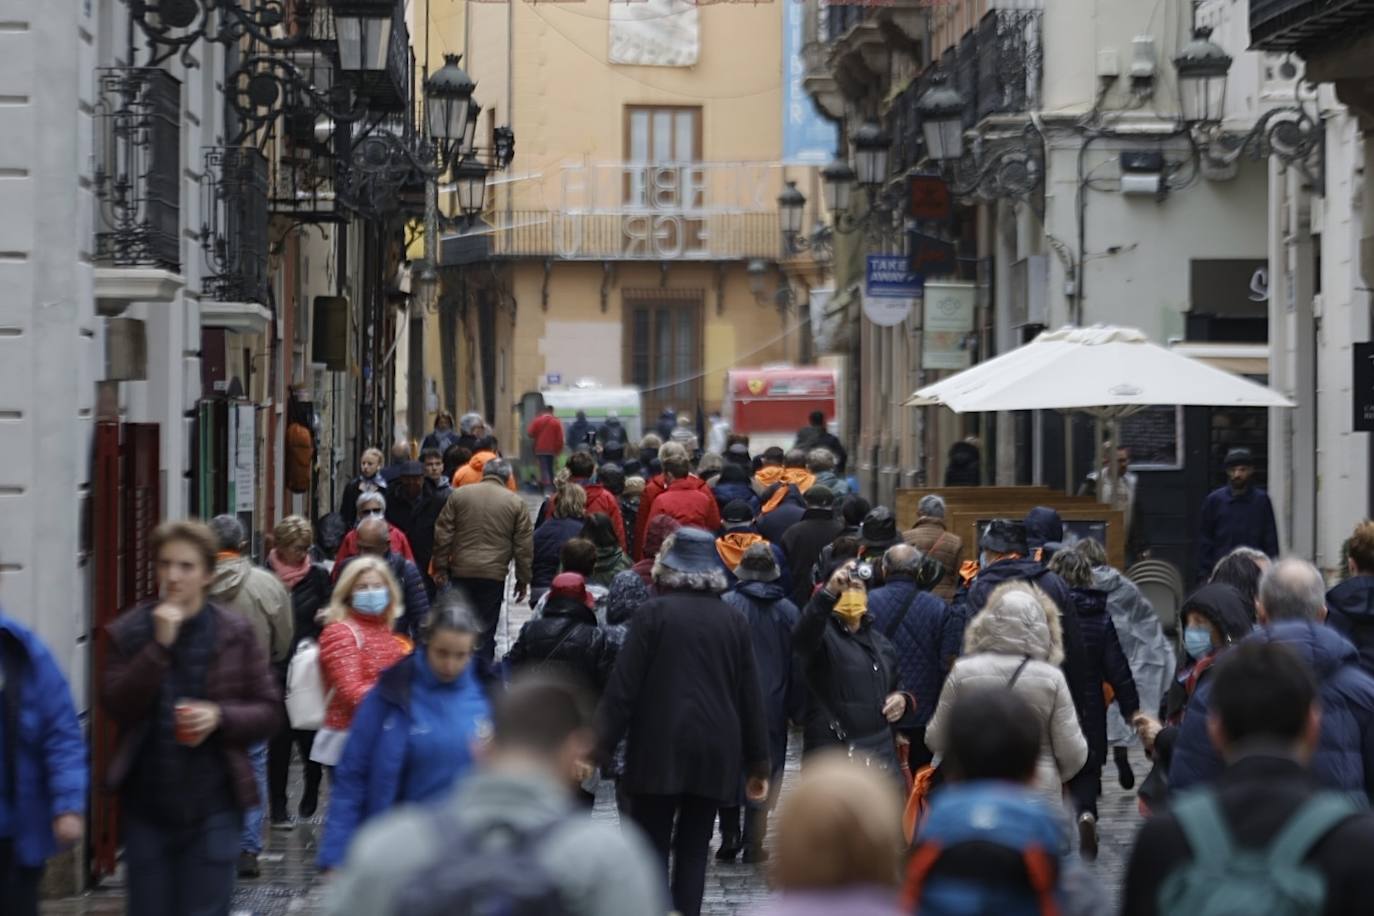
<point x="493" y="870"/>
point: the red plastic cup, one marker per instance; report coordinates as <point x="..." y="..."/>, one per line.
<point x="184" y="733"/>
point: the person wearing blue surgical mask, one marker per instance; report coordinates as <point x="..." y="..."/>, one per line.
<point x="356" y="646"/>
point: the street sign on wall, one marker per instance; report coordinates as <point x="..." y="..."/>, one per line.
<point x="890" y="289"/>
<point x="930" y="199"/>
<point x="933" y="257"/>
<point x="1362" y="392"/>
<point x="807" y="138"/>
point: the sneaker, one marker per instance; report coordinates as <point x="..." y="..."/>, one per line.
<point x="282" y="822"/>
<point x="248" y="865"/>
<point x="1087" y="836"/>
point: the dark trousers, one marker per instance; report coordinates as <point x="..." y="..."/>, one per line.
<point x="18" y="885"/>
<point x="687" y="847"/>
<point x="182" y="871"/>
<point x="487" y="596"/>
<point x="279" y="767"/>
<point x="546" y="470"/>
<point x="1086" y="786"/>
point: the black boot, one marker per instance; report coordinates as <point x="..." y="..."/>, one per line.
<point x="755" y="831"/>
<point x="730" y="841"/>
<point x="1124" y="774"/>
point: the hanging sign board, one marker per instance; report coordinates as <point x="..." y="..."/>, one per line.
<point x="930" y="199"/>
<point x="948" y="323"/>
<point x="890" y="289"/>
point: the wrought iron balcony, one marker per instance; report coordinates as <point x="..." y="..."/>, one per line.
<point x="234" y="236"/>
<point x="138" y="169"/>
<point x="963" y="70"/>
<point x="1010" y="62"/>
<point x="1289" y="25"/>
<point x="636" y="235"/>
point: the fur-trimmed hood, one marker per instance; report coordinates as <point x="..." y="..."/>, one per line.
<point x="1019" y="619"/>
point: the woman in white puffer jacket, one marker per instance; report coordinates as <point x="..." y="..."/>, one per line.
<point x="1016" y="640"/>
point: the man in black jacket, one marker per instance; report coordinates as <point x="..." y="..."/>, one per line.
<point x="803" y="542"/>
<point x="414" y="507"/>
<point x="816" y="435"/>
<point x="1266" y="719"/>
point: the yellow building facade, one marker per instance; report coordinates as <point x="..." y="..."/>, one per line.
<point x="634" y="240"/>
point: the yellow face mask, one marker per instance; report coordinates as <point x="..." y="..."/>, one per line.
<point x="852" y="606"/>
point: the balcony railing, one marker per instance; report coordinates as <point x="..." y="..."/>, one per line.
<point x="965" y="75"/>
<point x="1287" y="25"/>
<point x="1010" y="62"/>
<point x="138" y="169"/>
<point x="636" y="235"/>
<point x="234" y="236"/>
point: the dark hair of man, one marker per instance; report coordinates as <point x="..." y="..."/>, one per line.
<point x="456" y="457"/>
<point x="845" y="547"/>
<point x="578" y="555"/>
<point x="599" y="530"/>
<point x="817" y="418"/>
<point x="795" y="458"/>
<point x="612" y="478"/>
<point x="853" y="509"/>
<point x="430" y="453"/>
<point x="774" y="455"/>
<point x="539" y="713"/>
<point x="1262" y="689"/>
<point x="581" y="464"/>
<point x="993" y="734"/>
<point x="485" y="444"/>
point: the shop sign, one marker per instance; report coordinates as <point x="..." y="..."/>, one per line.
<point x="1363" y="388"/>
<point x="948" y="323"/>
<point x="890" y="289"/>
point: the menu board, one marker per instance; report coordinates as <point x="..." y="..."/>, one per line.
<point x="1155" y="438"/>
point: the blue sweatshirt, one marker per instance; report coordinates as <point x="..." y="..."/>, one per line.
<point x="444" y="721"/>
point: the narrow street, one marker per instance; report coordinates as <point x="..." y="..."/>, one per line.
<point x="290" y="883"/>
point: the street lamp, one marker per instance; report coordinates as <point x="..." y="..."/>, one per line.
<point x="1201" y="68"/>
<point x="871" y="149"/>
<point x="791" y="205"/>
<point x="364" y="31"/>
<point x="448" y="99"/>
<point x="470" y="181"/>
<point x="758" y="274"/>
<point x="838" y="179"/>
<point x="942" y="120"/>
<point x="470" y="129"/>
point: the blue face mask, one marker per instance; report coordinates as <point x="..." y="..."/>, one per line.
<point x="1197" y="641"/>
<point x="371" y="601"/>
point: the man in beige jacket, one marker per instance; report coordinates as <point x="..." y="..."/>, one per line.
<point x="258" y="597"/>
<point x="481" y="531"/>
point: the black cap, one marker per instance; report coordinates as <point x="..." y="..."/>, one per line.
<point x="737" y="512"/>
<point x="820" y="497"/>
<point x="1239" y="456"/>
<point x="879" y="528"/>
<point x="1004" y="535"/>
<point x="411" y="469"/>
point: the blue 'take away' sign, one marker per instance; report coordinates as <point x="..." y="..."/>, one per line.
<point x="890" y="276"/>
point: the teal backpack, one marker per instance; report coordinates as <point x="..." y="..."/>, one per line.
<point x="1225" y="880"/>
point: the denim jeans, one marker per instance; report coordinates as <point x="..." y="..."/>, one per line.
<point x="251" y="840"/>
<point x="182" y="871"/>
<point x="546" y="470"/>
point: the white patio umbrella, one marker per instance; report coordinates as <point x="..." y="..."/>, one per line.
<point x="1105" y="371"/>
<point x="1109" y="372"/>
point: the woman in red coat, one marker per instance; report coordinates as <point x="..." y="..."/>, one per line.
<point x="356" y="646"/>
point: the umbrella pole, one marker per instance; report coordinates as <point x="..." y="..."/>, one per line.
<point x="1098" y="438"/>
<point x="1113" y="472"/>
<point x="1068" y="453"/>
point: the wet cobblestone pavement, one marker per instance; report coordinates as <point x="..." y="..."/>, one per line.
<point x="291" y="885"/>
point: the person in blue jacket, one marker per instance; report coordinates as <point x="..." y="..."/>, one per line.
<point x="1236" y="515"/>
<point x="413" y="736"/>
<point x="43" y="769"/>
<point x="1291" y="608"/>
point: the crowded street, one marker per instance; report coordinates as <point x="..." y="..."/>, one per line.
<point x="680" y="457"/>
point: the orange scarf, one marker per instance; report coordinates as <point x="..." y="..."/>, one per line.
<point x="768" y="476"/>
<point x="731" y="547"/>
<point x="801" y="477"/>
